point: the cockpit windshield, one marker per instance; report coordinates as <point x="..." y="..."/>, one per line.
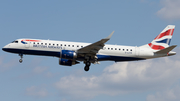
<point x="15" y="41"/>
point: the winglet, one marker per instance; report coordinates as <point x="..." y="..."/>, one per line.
<point x="166" y="50"/>
<point x="110" y="35"/>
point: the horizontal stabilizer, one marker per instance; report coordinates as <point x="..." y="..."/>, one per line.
<point x="166" y="50"/>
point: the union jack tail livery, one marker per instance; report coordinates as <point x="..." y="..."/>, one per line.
<point x="163" y="40"/>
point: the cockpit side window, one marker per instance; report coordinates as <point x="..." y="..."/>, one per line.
<point x="14" y="42"/>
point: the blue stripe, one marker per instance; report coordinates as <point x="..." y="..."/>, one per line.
<point x="32" y="52"/>
<point x="117" y="58"/>
<point x="23" y="42"/>
<point x="57" y="54"/>
<point x="167" y="41"/>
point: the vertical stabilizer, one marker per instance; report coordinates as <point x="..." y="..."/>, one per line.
<point x="163" y="39"/>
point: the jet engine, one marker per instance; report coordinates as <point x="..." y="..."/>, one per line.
<point x="67" y="62"/>
<point x="68" y="54"/>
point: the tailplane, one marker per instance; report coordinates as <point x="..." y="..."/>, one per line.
<point x="166" y="50"/>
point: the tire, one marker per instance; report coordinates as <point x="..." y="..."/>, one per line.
<point x="88" y="63"/>
<point x="86" y="68"/>
<point x="20" y="60"/>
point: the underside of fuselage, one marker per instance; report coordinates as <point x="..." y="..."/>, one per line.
<point x="57" y="54"/>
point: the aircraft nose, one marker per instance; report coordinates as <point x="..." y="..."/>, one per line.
<point x="5" y="48"/>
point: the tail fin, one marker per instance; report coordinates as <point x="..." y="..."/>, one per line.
<point x="163" y="40"/>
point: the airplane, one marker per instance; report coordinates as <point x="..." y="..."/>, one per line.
<point x="71" y="53"/>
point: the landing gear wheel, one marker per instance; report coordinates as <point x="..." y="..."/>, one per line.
<point x="86" y="68"/>
<point x="88" y="63"/>
<point x="20" y="60"/>
<point x="21" y="55"/>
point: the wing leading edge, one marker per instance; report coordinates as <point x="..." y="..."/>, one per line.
<point x="93" y="48"/>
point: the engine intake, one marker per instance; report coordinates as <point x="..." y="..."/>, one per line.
<point x="68" y="54"/>
<point x="67" y="62"/>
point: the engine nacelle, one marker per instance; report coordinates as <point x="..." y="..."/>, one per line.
<point x="67" y="62"/>
<point x="68" y="54"/>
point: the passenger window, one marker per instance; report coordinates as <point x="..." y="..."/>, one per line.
<point x="37" y="43"/>
<point x="34" y="43"/>
<point x="61" y="45"/>
<point x="72" y="45"/>
<point x="41" y="43"/>
<point x="131" y="50"/>
<point x="64" y="45"/>
<point x="53" y="44"/>
<point x="69" y="45"/>
<point x="111" y="48"/>
<point x="127" y="49"/>
<point x="77" y="45"/>
<point x="57" y="45"/>
<point x="123" y="49"/>
<point x="115" y="48"/>
<point x="119" y="48"/>
<point x="108" y="48"/>
<point x="49" y="44"/>
<point x="45" y="43"/>
<point x="81" y="46"/>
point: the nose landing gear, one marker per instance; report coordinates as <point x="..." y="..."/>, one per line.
<point x="20" y="60"/>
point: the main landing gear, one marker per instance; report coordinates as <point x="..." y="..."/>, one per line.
<point x="87" y="65"/>
<point x="20" y="60"/>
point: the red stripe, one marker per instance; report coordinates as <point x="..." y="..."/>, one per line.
<point x="32" y="40"/>
<point x="166" y="33"/>
<point x="156" y="47"/>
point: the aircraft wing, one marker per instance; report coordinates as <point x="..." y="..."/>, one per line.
<point x="93" y="48"/>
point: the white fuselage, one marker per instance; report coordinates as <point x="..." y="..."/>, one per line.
<point x="51" y="48"/>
